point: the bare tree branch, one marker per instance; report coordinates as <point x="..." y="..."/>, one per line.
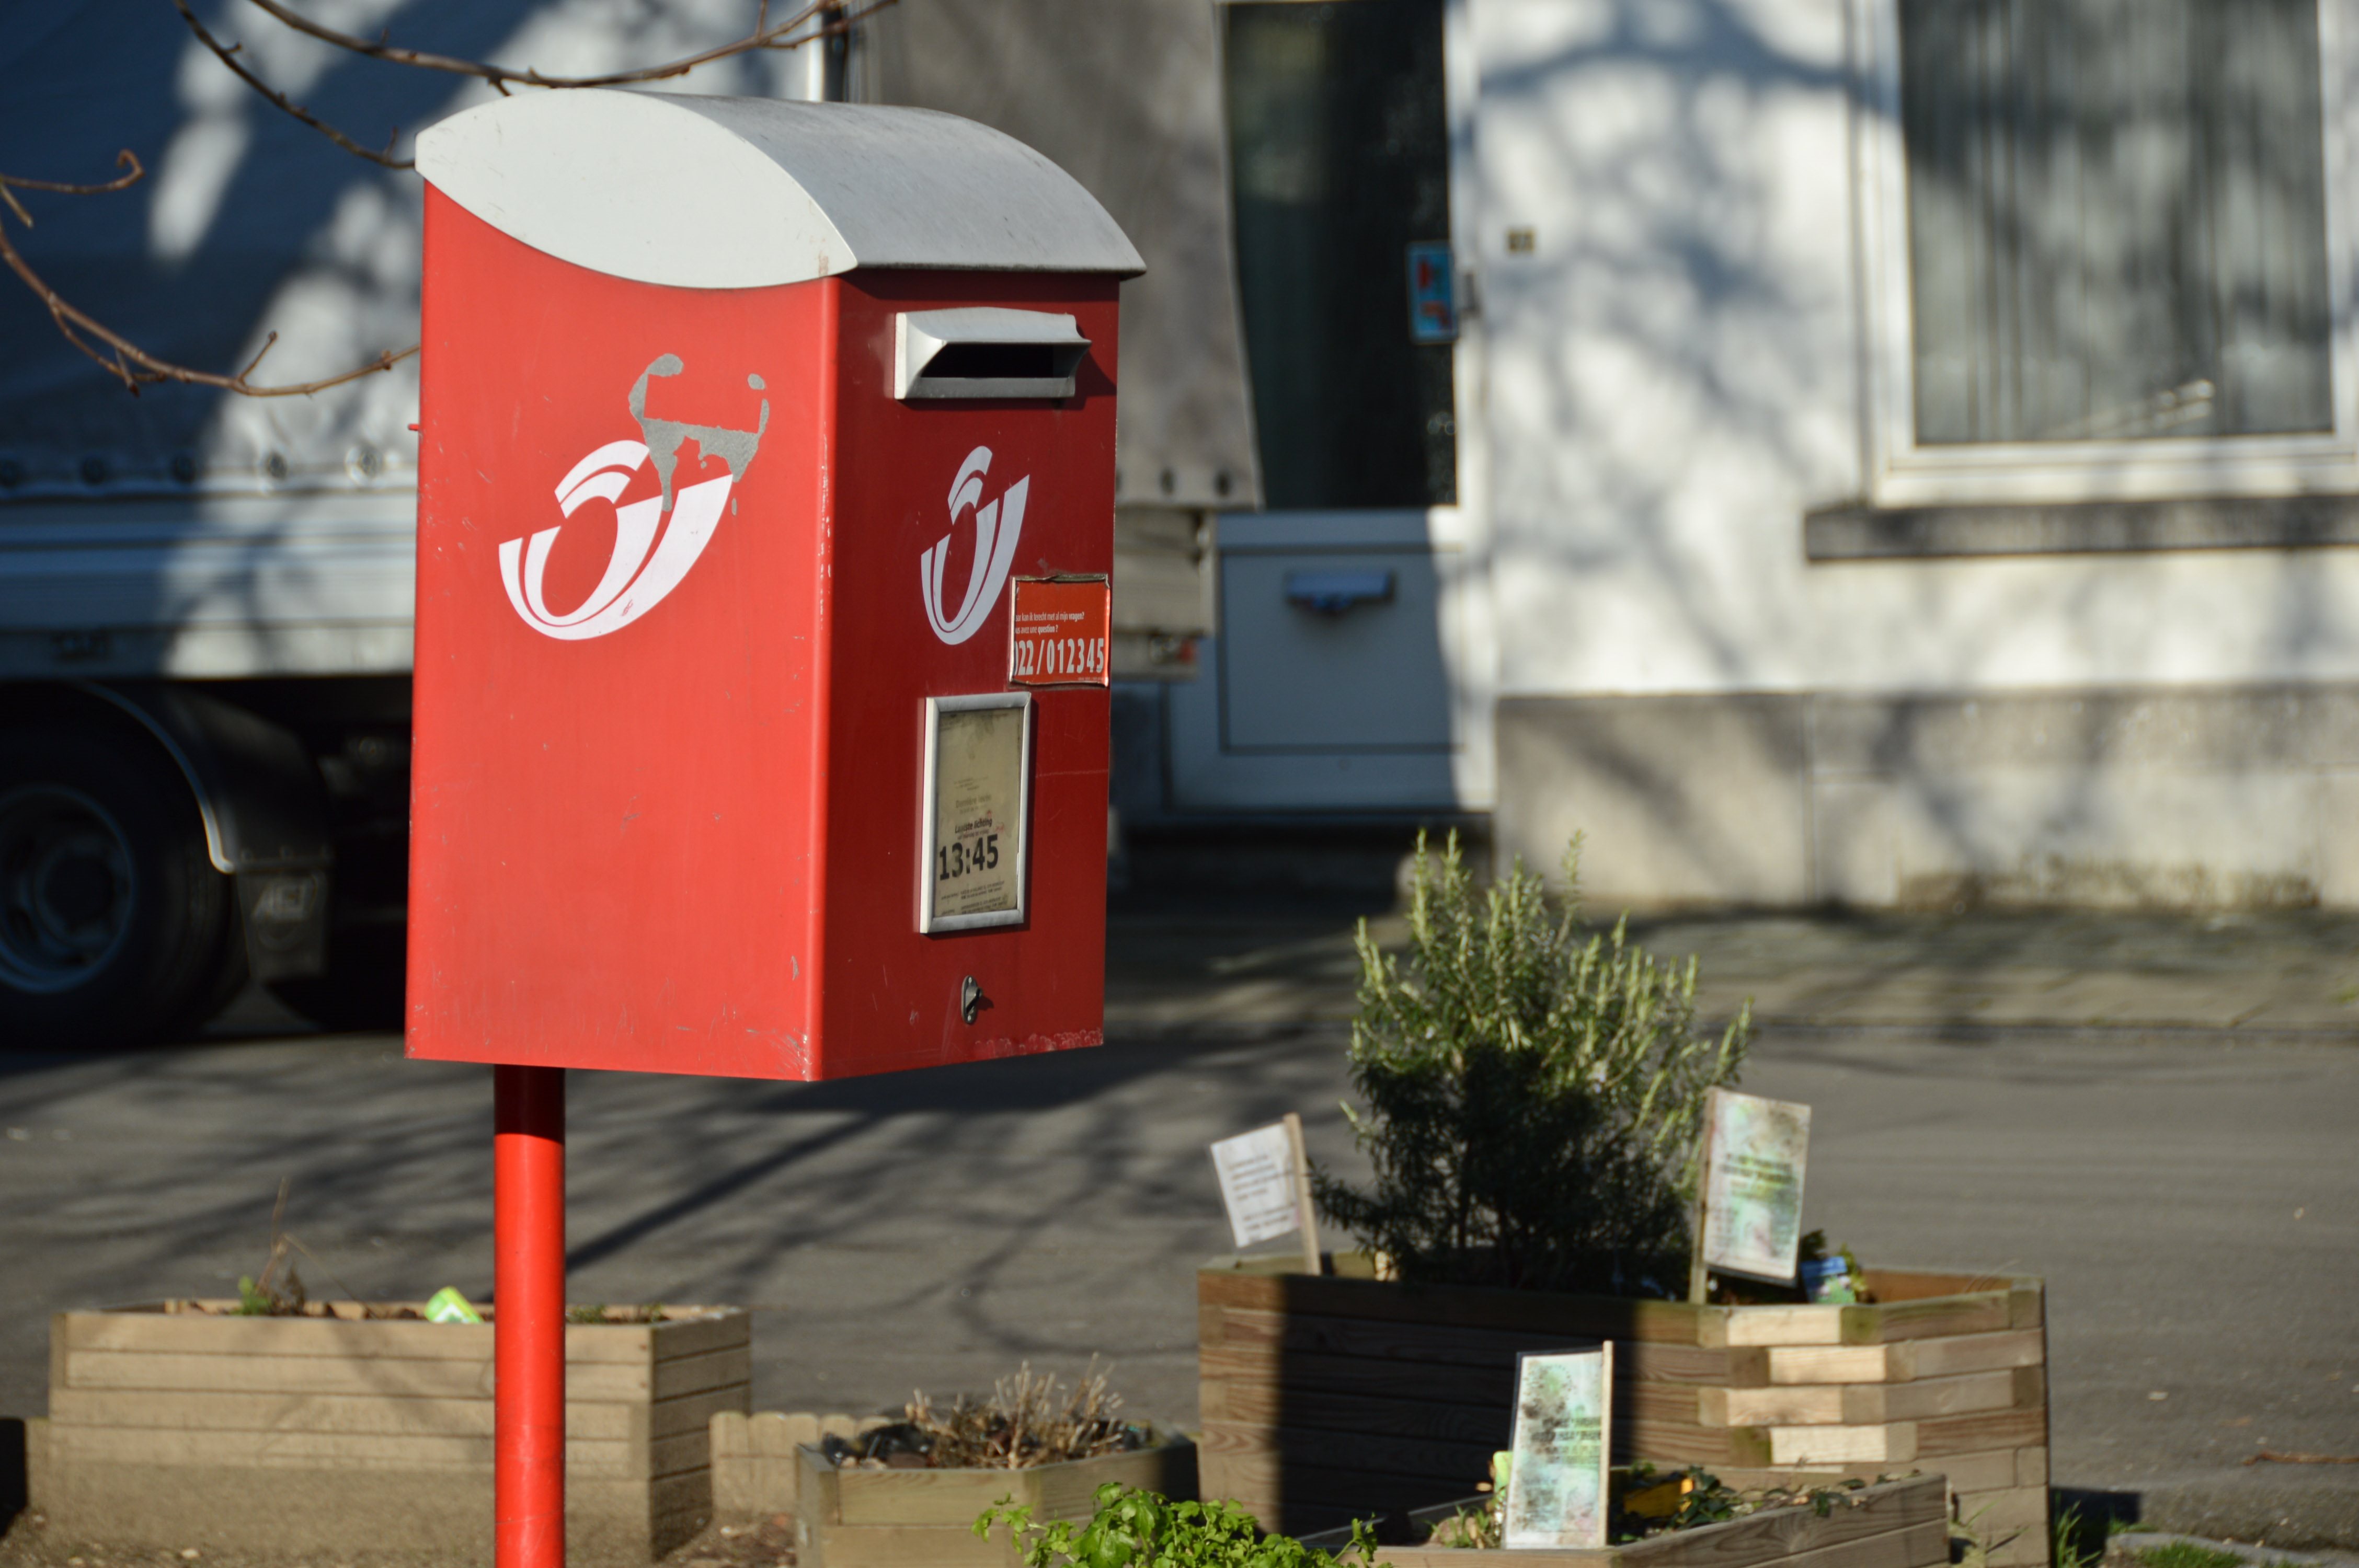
<point x="228" y="53"/>
<point x="125" y="361"/>
<point x="135" y="367"/>
<point x="829" y="16"/>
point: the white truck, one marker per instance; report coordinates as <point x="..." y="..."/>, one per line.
<point x="205" y="598"/>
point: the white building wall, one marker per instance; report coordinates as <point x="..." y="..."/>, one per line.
<point x="1678" y="370"/>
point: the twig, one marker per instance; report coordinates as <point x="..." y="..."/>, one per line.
<point x="125" y="361"/>
<point x="2274" y="1458"/>
<point x="121" y="182"/>
<point x="228" y="53"/>
<point x="766" y="35"/>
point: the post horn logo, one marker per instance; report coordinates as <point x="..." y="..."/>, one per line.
<point x="657" y="538"/>
<point x="997" y="524"/>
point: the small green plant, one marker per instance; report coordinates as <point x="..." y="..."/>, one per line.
<point x="2068" y="1538"/>
<point x="1534" y="1093"/>
<point x="2188" y="1555"/>
<point x="1136" y="1528"/>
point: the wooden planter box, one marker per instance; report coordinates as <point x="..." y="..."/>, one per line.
<point x="1900" y="1524"/>
<point x="170" y="1427"/>
<point x="1326" y="1396"/>
<point x="925" y="1519"/>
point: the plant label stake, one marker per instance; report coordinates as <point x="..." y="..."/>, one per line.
<point x="1266" y="1186"/>
<point x="1557" y="1480"/>
<point x="1749" y="1199"/>
<point x="724" y="477"/>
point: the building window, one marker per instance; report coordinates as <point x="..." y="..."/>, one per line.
<point x="1339" y="161"/>
<point x="2117" y="218"/>
<point x="2102" y="247"/>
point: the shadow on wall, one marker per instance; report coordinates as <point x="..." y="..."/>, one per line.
<point x="1676" y="377"/>
<point x="2175" y="798"/>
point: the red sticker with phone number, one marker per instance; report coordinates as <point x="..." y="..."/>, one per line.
<point x="1062" y="632"/>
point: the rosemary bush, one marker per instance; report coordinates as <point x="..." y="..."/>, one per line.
<point x="1533" y="1095"/>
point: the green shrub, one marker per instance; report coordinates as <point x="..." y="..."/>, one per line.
<point x="1534" y="1095"/>
<point x="1136" y="1528"/>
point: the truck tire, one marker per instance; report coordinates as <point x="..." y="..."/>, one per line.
<point x="114" y="926"/>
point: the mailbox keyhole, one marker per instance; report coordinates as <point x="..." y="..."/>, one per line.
<point x="970" y="999"/>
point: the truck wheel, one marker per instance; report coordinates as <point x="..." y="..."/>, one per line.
<point x="114" y="926"/>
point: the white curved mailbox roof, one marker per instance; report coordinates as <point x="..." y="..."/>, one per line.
<point x="745" y="192"/>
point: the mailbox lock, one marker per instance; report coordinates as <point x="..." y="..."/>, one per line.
<point x="970" y="999"/>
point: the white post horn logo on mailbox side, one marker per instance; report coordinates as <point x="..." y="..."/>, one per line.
<point x="997" y="524"/>
<point x="642" y="569"/>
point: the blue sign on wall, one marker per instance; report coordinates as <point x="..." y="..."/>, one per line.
<point x="1432" y="292"/>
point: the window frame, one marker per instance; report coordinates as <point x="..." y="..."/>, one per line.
<point x="1900" y="471"/>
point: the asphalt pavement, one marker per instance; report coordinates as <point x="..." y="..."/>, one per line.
<point x="2189" y="1189"/>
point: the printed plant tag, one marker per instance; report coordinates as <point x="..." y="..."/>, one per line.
<point x="1557" y="1480"/>
<point x="1753" y="1184"/>
<point x="1257" y="1183"/>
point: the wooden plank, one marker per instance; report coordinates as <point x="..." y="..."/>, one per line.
<point x="1373" y="1452"/>
<point x="1892" y="1442"/>
<point x="698" y="1330"/>
<point x="1395" y="1410"/>
<point x="1801" y="1366"/>
<point x="2031" y="1465"/>
<point x="1258" y="1403"/>
<point x="683" y="1454"/>
<point x="821" y="1489"/>
<point x="1527" y="1557"/>
<point x="1950" y="1354"/>
<point x="1906" y="1360"/>
<point x="2026" y="1550"/>
<point x="1897" y="1285"/>
<point x="1788" y="1325"/>
<point x="146" y="1409"/>
<point x="1568" y="1316"/>
<point x="2027" y="1305"/>
<point x="694" y="1374"/>
<point x="922" y="1497"/>
<point x="1779" y="1533"/>
<point x="1810" y="1406"/>
<point x="693" y="1336"/>
<point x="1066" y="1491"/>
<point x="1927" y="1397"/>
<point x="1918" y="1546"/>
<point x="1975" y="1434"/>
<point x="1280" y="1493"/>
<point x="310" y="1450"/>
<point x="160" y="1334"/>
<point x="291" y="1375"/>
<point x="1976" y="1472"/>
<point x="2030" y="1385"/>
<point x="1430" y="1381"/>
<point x="1994" y="1513"/>
<point x="598" y="1381"/>
<point x="1987" y="1312"/>
<point x="1287" y="1334"/>
<point x="1663" y="1442"/>
<point x="686" y="1412"/>
<point x="1900" y="1527"/>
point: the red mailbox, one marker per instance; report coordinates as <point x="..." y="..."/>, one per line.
<point x="742" y="420"/>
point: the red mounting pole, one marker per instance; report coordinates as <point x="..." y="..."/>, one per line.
<point x="528" y="1316"/>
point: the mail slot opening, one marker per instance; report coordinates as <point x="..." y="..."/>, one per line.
<point x="985" y="352"/>
<point x="1000" y="362"/>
